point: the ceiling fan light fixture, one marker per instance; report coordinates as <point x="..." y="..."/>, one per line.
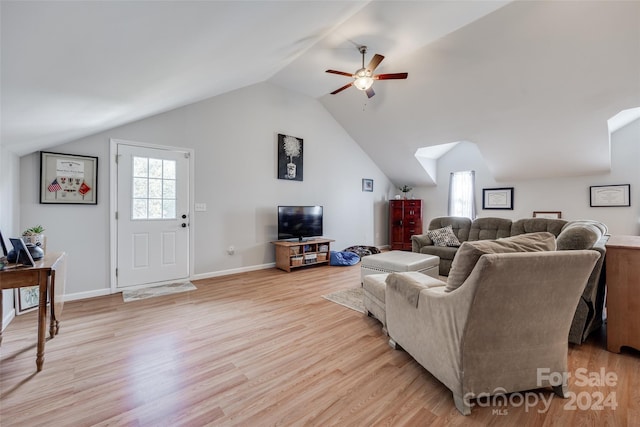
<point x="363" y="79"/>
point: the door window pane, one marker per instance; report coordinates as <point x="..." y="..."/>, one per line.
<point x="154" y="189"/>
<point x="139" y="209"/>
<point x="155" y="209"/>
<point x="168" y="208"/>
<point x="169" y="189"/>
<point x="155" y="168"/>
<point x="140" y="186"/>
<point x="140" y="166"/>
<point x="169" y="169"/>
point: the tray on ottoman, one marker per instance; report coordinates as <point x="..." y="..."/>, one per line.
<point x="399" y="261"/>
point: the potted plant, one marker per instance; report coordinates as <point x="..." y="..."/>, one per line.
<point x="34" y="235"/>
<point x="405" y="189"/>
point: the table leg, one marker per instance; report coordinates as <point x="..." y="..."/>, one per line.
<point x="42" y="320"/>
<point x="53" y="324"/>
<point x="1" y="316"/>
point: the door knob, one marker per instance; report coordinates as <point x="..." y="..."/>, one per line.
<point x="184" y="216"/>
<point x="184" y="225"/>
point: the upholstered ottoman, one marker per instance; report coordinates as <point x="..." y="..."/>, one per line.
<point x="373" y="297"/>
<point x="399" y="261"/>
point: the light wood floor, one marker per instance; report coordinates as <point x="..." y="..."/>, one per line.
<point x="258" y="349"/>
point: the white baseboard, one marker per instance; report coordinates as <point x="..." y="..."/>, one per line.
<point x="85" y="295"/>
<point x="8" y="317"/>
<point x="232" y="271"/>
<point x="107" y="291"/>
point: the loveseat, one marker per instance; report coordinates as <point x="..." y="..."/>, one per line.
<point x="570" y="235"/>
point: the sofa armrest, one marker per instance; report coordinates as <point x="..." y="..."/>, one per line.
<point x="410" y="284"/>
<point x="420" y="240"/>
<point x="432" y="331"/>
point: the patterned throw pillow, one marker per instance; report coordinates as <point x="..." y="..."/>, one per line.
<point x="443" y="237"/>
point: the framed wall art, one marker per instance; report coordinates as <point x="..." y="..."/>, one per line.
<point x="27" y="299"/>
<point x="367" y="184"/>
<point x="610" y="195"/>
<point x="547" y="214"/>
<point x="497" y="198"/>
<point x="290" y="157"/>
<point x="68" y="179"/>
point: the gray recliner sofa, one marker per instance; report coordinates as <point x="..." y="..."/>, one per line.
<point x="473" y="342"/>
<point x="570" y="235"/>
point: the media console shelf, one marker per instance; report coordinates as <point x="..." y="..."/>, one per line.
<point x="294" y="254"/>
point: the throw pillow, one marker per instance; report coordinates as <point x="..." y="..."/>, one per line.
<point x="443" y="237"/>
<point x="470" y="252"/>
<point x="582" y="236"/>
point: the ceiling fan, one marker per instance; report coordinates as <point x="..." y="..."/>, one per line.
<point x="364" y="77"/>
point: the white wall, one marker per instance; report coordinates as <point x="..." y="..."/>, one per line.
<point x="234" y="138"/>
<point x="569" y="195"/>
<point x="9" y="214"/>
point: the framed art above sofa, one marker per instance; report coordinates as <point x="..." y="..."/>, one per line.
<point x="610" y="195"/>
<point x="497" y="198"/>
<point x="547" y="214"/>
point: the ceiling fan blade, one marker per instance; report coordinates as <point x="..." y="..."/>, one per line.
<point x="375" y="61"/>
<point x="347" y="86"/>
<point x="342" y="73"/>
<point x="370" y="92"/>
<point x="392" y="76"/>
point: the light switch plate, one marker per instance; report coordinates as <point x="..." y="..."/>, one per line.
<point x="201" y="207"/>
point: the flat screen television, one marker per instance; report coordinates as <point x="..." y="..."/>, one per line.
<point x="299" y="222"/>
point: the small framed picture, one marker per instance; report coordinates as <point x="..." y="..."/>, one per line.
<point x="497" y="198"/>
<point x="610" y="195"/>
<point x="23" y="256"/>
<point x="547" y="214"/>
<point x="367" y="184"/>
<point x="68" y="179"/>
<point x="27" y="299"/>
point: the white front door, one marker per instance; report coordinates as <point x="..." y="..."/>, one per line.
<point x="152" y="215"/>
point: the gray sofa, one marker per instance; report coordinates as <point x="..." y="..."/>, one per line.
<point x="570" y="235"/>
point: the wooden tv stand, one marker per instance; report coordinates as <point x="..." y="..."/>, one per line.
<point x="294" y="254"/>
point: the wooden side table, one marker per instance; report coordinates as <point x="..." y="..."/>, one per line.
<point x="623" y="292"/>
<point x="43" y="275"/>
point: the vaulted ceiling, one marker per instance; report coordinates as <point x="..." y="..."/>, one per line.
<point x="531" y="83"/>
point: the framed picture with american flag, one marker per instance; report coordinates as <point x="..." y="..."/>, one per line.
<point x="68" y="179"/>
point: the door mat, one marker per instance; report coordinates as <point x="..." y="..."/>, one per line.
<point x="351" y="298"/>
<point x="156" y="291"/>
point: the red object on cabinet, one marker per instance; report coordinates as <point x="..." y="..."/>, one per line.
<point x="405" y="220"/>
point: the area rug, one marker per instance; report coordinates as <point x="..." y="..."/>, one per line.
<point x="350" y="298"/>
<point x="156" y="291"/>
